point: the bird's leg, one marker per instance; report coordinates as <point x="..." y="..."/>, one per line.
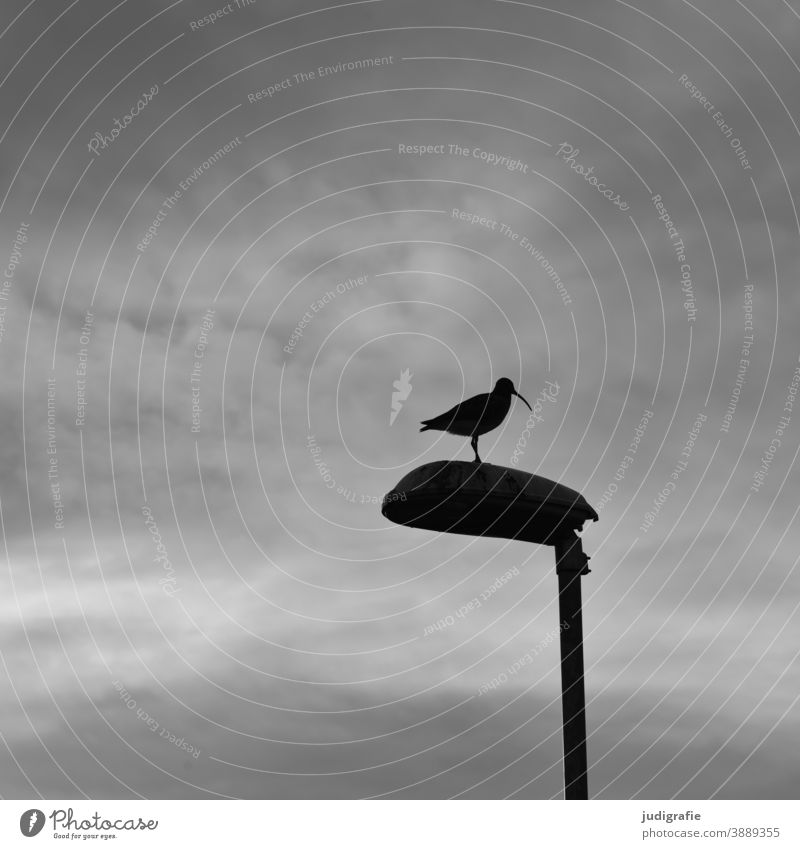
<point x="474" y="444"/>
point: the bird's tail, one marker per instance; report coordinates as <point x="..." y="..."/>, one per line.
<point x="425" y="426"/>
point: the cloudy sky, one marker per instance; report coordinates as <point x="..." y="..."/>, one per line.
<point x="222" y="244"/>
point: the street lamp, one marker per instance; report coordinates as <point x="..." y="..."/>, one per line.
<point x="481" y="499"/>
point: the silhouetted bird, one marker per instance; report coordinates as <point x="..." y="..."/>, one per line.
<point x="477" y="415"/>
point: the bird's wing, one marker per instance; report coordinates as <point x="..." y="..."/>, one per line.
<point x="443" y="418"/>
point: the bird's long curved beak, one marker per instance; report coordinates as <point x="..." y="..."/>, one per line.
<point x="522" y="399"/>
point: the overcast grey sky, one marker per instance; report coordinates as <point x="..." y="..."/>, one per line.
<point x="228" y="231"/>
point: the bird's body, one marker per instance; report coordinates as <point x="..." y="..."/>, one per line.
<point x="476" y="415"/>
<point x="473" y="417"/>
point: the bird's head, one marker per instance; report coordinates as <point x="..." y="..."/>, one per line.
<point x="504" y="386"/>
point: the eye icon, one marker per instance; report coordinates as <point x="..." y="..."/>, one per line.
<point x="31" y="822"/>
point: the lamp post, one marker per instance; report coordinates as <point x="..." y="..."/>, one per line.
<point x="481" y="499"/>
<point x="570" y="565"/>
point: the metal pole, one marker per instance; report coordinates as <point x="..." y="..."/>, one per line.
<point x="571" y="563"/>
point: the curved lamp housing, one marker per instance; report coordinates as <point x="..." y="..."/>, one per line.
<point x="486" y="500"/>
